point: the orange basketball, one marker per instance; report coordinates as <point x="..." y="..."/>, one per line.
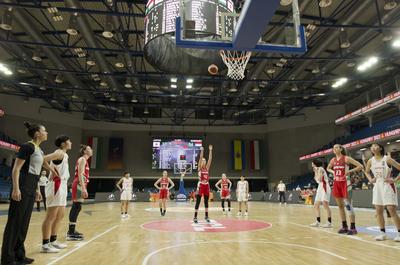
<point x="213" y="69"/>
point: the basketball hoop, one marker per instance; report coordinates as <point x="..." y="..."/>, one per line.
<point x="236" y="62"/>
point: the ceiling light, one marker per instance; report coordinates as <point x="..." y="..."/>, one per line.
<point x="367" y="64"/>
<point x="57" y="17"/>
<point x="321" y="94"/>
<point x="119" y="65"/>
<point x="212" y="113"/>
<point x="363" y="149"/>
<point x="344" y="39"/>
<point x="245" y="103"/>
<point x="398" y="141"/>
<point x="256" y="89"/>
<point x="103" y="83"/>
<point x="388" y="143"/>
<point x="134" y="100"/>
<point x="36" y="56"/>
<point x="189" y="80"/>
<point x="21" y="71"/>
<point x="340" y="82"/>
<point x="128" y="83"/>
<point x="286" y="2"/>
<point x="6" y="20"/>
<point x="74" y="95"/>
<point x="396" y="43"/>
<point x="188" y="86"/>
<point x="315" y="70"/>
<point x="52" y="9"/>
<point x="174" y="79"/>
<point x="325" y="3"/>
<point x="146" y="111"/>
<point x="232" y="89"/>
<point x="389" y="68"/>
<point x="279" y="102"/>
<point x="390" y="4"/>
<point x="359" y="85"/>
<point x="271" y="71"/>
<point x="294" y="88"/>
<point x="225" y="102"/>
<point x="90" y="62"/>
<point x="5" y="70"/>
<point x="173" y="86"/>
<point x="351" y="64"/>
<point x="113" y="98"/>
<point x="72" y="25"/>
<point x="59" y="79"/>
<point x="107" y="32"/>
<point x="387" y="35"/>
<point x="325" y="83"/>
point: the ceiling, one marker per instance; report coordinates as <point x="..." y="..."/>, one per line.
<point x="109" y="79"/>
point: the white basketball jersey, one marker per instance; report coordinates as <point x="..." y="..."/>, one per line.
<point x="241" y="186"/>
<point x="324" y="175"/>
<point x="127" y="184"/>
<point x="62" y="168"/>
<point x="380" y="169"/>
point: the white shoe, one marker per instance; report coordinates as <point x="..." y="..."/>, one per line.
<point x="285" y="203"/>
<point x="280" y="203"/>
<point x="58" y="245"/>
<point x="246" y="214"/>
<point x="327" y="225"/>
<point x="239" y="214"/>
<point x="397" y="238"/>
<point x="127" y="216"/>
<point x="224" y="213"/>
<point x="381" y="237"/>
<point x="123" y="216"/>
<point x="229" y="213"/>
<point x="47" y="248"/>
<point x="316" y="224"/>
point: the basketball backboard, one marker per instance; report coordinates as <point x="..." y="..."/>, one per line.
<point x="214" y="24"/>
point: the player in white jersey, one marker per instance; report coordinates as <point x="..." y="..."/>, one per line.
<point x="125" y="187"/>
<point x="56" y="194"/>
<point x="323" y="193"/>
<point x="384" y="192"/>
<point x="242" y="195"/>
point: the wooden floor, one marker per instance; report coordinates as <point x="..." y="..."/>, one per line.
<point x="110" y="240"/>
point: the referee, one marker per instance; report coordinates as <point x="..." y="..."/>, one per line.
<point x="281" y="191"/>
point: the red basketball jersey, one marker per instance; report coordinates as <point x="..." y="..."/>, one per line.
<point x="339" y="168"/>
<point x="85" y="173"/>
<point x="164" y="183"/>
<point x="225" y="184"/>
<point x="204" y="177"/>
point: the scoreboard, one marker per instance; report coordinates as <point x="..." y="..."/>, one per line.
<point x="161" y="15"/>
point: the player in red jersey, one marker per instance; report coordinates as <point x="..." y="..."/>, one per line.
<point x="162" y="184"/>
<point x="339" y="167"/>
<point x="203" y="186"/>
<point x="224" y="187"/>
<point x="79" y="191"/>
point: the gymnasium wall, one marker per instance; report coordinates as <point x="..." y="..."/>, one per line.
<point x="283" y="140"/>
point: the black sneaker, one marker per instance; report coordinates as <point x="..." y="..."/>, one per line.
<point x="207" y="219"/>
<point x="195" y="220"/>
<point x="77" y="233"/>
<point x="74" y="237"/>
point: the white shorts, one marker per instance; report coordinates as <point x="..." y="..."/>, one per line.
<point x="60" y="197"/>
<point x="384" y="194"/>
<point x="242" y="197"/>
<point x="126" y="195"/>
<point x="323" y="195"/>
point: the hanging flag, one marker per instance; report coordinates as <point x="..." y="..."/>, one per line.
<point x="255" y="155"/>
<point x="115" y="153"/>
<point x="238" y="155"/>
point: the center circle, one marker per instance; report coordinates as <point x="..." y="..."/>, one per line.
<point x="214" y="226"/>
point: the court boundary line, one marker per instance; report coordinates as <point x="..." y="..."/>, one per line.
<point x="82" y="245"/>
<point x="149" y="256"/>
<point x="346" y="236"/>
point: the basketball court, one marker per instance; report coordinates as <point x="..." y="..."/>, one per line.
<point x="264" y="88"/>
<point x="271" y="233"/>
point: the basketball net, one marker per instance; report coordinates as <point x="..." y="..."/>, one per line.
<point x="236" y="62"/>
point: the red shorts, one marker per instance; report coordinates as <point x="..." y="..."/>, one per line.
<point x="77" y="191"/>
<point x="163" y="194"/>
<point x="204" y="190"/>
<point x="340" y="189"/>
<point x="225" y="193"/>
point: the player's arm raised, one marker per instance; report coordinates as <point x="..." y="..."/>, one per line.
<point x="329" y="168"/>
<point x="200" y="157"/>
<point x="210" y="148"/>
